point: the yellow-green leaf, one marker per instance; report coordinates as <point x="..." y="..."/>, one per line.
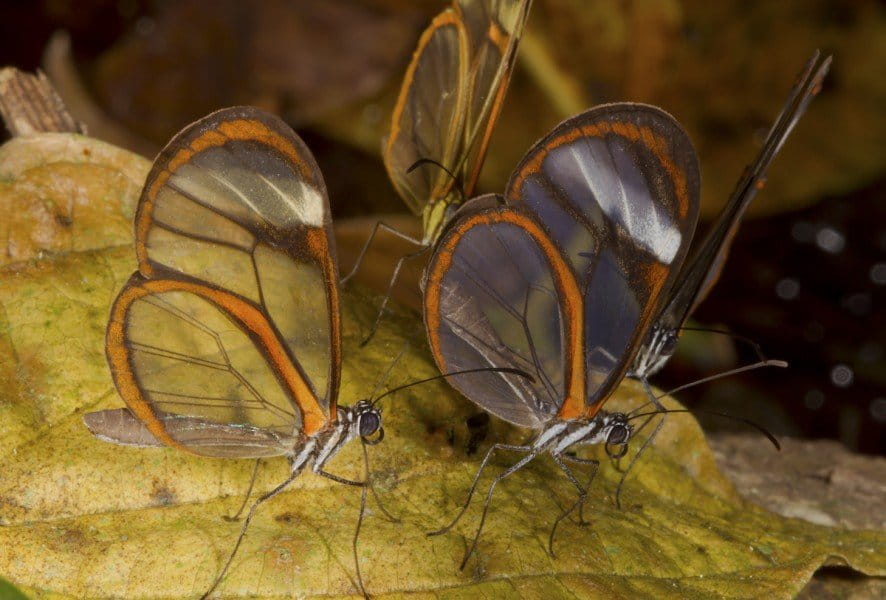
<point x="66" y="192"/>
<point x="85" y="519"/>
<point x="10" y="592"/>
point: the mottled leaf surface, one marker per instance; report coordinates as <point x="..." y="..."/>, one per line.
<point x="83" y="519"/>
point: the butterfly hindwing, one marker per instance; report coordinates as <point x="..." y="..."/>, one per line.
<point x="220" y="440"/>
<point x="498" y="294"/>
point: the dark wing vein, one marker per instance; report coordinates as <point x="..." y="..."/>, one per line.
<point x="227" y="366"/>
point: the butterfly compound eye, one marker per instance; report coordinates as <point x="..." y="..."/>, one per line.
<point x="617" y="440"/>
<point x="370" y="422"/>
<point x="618" y="435"/>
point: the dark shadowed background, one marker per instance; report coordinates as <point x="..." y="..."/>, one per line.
<point x="807" y="275"/>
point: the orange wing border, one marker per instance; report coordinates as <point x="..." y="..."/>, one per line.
<point x="243" y="313"/>
<point x="241" y="123"/>
<point x="573" y="405"/>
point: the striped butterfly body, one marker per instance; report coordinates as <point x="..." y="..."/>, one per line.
<point x="227" y="340"/>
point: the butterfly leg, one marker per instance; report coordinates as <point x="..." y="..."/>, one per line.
<point x="594" y="464"/>
<point x="658" y="406"/>
<point x="371" y="484"/>
<point x="360" y="257"/>
<point x="500" y="477"/>
<point x="393" y="281"/>
<point x="357" y="537"/>
<point x="236" y="516"/>
<point x="368" y="486"/>
<point x="582" y="493"/>
<point x="341" y="480"/>
<point x="249" y="515"/>
<point x="483" y="464"/>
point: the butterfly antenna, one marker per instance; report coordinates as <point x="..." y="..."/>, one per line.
<point x="519" y="372"/>
<point x="430" y="161"/>
<point x="661" y="410"/>
<point x="384" y="376"/>
<point x="715" y="413"/>
<point x="758" y="350"/>
<point x="641" y="407"/>
<point x="364" y="489"/>
<point x="757" y="365"/>
<point x="763" y="362"/>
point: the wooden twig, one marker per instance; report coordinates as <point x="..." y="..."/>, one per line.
<point x="29" y="104"/>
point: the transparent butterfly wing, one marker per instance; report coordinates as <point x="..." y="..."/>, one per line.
<point x="429" y="116"/>
<point x="451" y="96"/>
<point x="233" y="316"/>
<point x="617" y="190"/>
<point x="493" y="299"/>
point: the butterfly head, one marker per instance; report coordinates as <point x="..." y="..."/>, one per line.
<point x="618" y="433"/>
<point x="367" y="422"/>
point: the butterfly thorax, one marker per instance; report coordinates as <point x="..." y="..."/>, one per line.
<point x="437" y="213"/>
<point x="655" y="352"/>
<point x="603" y="428"/>
<point x="362" y="419"/>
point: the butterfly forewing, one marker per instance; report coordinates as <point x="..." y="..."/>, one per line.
<point x="494" y="31"/>
<point x="499" y="295"/>
<point x="429" y="115"/>
<point x="703" y="270"/>
<point x="617" y="190"/>
<point x="233" y="318"/>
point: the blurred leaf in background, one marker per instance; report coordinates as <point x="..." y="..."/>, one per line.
<point x="334" y="66"/>
<point x="298" y="59"/>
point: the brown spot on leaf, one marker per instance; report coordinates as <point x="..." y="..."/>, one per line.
<point x="478" y="428"/>
<point x="162" y="495"/>
<point x="286" y="517"/>
<point x="72" y="538"/>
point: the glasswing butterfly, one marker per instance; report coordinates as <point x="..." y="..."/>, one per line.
<point x="450" y="99"/>
<point x="571" y="273"/>
<point x="227" y="340"/>
<point x="702" y="271"/>
<point x="703" y="268"/>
